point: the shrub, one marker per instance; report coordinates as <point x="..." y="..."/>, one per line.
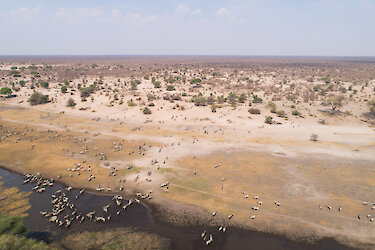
<point x="44" y="84"/>
<point x="272" y="107"/>
<point x="64" y="89"/>
<point x="257" y="99"/>
<point x="70" y="103"/>
<point x="335" y="101"/>
<point x="221" y="99"/>
<point x="146" y="111"/>
<point x="296" y="112"/>
<point x="11" y="225"/>
<point x="280" y="113"/>
<point x="134" y="84"/>
<point x="199" y="100"/>
<point x="195" y="80"/>
<point x="242" y="98"/>
<point x="157" y="84"/>
<point x="268" y="120"/>
<point x="38" y="98"/>
<point x="170" y="88"/>
<point x="371" y="105"/>
<point x="343" y="90"/>
<point x="232" y="98"/>
<point x="5" y="91"/>
<point x="254" y="111"/>
<point x="86" y="92"/>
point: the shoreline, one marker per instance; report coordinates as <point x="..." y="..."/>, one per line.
<point x="309" y="241"/>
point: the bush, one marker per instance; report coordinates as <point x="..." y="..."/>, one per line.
<point x="70" y="103"/>
<point x="38" y="98"/>
<point x="296" y="112"/>
<point x="272" y="107"/>
<point x="11" y="225"/>
<point x="170" y="88"/>
<point x="257" y="99"/>
<point x="44" y="84"/>
<point x="254" y="111"/>
<point x="134" y="84"/>
<point x="334" y="101"/>
<point x="64" y="89"/>
<point x="268" y="120"/>
<point x="195" y="80"/>
<point x="146" y="111"/>
<point x="5" y="91"/>
<point x="232" y="98"/>
<point x="86" y="92"/>
<point x="157" y="84"/>
<point x="371" y="105"/>
<point x="280" y="113"/>
<point x="199" y="100"/>
<point x="221" y="99"/>
<point x="242" y="98"/>
<point x="8" y="241"/>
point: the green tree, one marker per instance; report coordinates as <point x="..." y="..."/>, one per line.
<point x="5" y="91"/>
<point x="146" y="111"/>
<point x="64" y="89"/>
<point x="268" y="120"/>
<point x="38" y="98"/>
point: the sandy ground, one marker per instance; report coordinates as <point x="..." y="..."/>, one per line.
<point x="214" y="162"/>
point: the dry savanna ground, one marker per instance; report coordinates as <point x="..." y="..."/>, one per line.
<point x="282" y="145"/>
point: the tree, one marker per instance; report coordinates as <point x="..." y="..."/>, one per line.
<point x="254" y="111"/>
<point x="199" y="100"/>
<point x="6" y="91"/>
<point x="272" y="107"/>
<point x="242" y="98"/>
<point x="257" y="99"/>
<point x="268" y="120"/>
<point x="371" y="105"/>
<point x="280" y="113"/>
<point x="335" y="101"/>
<point x="64" y="89"/>
<point x="195" y="80"/>
<point x="146" y="111"/>
<point x="296" y="112"/>
<point x="70" y="102"/>
<point x="232" y="98"/>
<point x="38" y="98"/>
<point x="157" y="84"/>
<point x="170" y="88"/>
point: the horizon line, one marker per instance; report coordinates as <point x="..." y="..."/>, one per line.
<point x="184" y="55"/>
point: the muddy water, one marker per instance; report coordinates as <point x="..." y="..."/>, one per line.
<point x="141" y="216"/>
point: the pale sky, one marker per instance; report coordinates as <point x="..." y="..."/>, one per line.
<point x="195" y="27"/>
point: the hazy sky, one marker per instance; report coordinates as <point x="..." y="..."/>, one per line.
<point x="195" y="27"/>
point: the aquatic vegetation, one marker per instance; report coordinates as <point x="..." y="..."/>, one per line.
<point x="13" y="202"/>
